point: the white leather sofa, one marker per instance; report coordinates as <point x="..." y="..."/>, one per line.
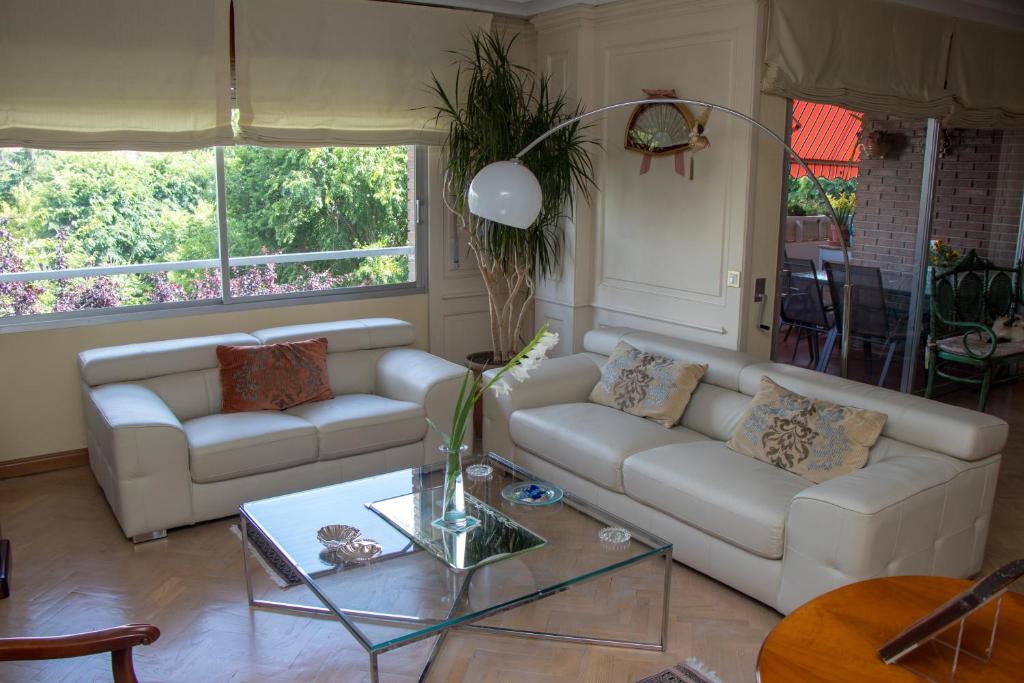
<point x="166" y="456"/>
<point x="921" y="505"/>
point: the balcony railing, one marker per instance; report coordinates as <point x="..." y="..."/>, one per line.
<point x="264" y="259"/>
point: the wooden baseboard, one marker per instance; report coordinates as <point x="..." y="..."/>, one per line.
<point x="44" y="463"/>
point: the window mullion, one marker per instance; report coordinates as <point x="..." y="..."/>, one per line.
<point x="222" y="230"/>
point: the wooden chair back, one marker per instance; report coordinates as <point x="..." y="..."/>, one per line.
<point x="118" y="641"/>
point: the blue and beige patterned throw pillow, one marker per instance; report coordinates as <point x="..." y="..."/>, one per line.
<point x="816" y="439"/>
<point x="647" y="385"/>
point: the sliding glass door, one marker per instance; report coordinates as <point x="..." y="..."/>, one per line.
<point x="920" y="198"/>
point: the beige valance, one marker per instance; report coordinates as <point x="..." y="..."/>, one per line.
<point x="986" y="75"/>
<point x="868" y="55"/>
<point x="881" y="56"/>
<point x="114" y="74"/>
<point x="343" y="72"/>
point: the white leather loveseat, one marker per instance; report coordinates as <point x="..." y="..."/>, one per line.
<point x="920" y="506"/>
<point x="166" y="456"/>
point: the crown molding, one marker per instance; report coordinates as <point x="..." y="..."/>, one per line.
<point x="516" y="8"/>
<point x="575" y="16"/>
<point x="1008" y="13"/>
<point x="627" y="10"/>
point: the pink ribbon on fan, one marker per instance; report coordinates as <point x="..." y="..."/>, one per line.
<point x="680" y="162"/>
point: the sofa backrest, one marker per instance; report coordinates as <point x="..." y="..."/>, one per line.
<point x="724" y="366"/>
<point x="716" y="406"/>
<point x="353" y="347"/>
<point x="733" y="378"/>
<point x="940" y="427"/>
<point x="185" y="374"/>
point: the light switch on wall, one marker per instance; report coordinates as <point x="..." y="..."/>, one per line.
<point x="732" y="278"/>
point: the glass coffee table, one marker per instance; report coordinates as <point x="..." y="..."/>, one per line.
<point x="406" y="594"/>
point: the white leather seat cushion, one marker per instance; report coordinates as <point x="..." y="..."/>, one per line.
<point x="589" y="439"/>
<point x="704" y="484"/>
<point x="359" y="423"/>
<point x="231" y="445"/>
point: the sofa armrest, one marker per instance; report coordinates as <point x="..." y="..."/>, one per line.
<point x="139" y="452"/>
<point x="433" y="382"/>
<point x="568" y="379"/>
<point x="904" y="515"/>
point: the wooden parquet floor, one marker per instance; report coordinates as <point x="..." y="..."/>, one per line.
<point x="74" y="571"/>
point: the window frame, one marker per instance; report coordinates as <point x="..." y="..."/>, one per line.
<point x="229" y="303"/>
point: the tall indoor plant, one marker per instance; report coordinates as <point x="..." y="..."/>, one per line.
<point x="494" y="108"/>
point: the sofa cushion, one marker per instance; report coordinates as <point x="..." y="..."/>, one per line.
<point x="715" y="411"/>
<point x="231" y="445"/>
<point x="647" y="385"/>
<point x="590" y="440"/>
<point x="724" y="365"/>
<point x="819" y="440"/>
<point x="704" y="484"/>
<point x="273" y="376"/>
<point x="359" y="423"/>
<point x="153" y="359"/>
<point x="947" y="429"/>
<point x="345" y="335"/>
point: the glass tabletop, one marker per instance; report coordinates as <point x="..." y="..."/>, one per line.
<point x="405" y="593"/>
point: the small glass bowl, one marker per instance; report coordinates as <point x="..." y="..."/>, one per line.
<point x="479" y="471"/>
<point x="614" y="536"/>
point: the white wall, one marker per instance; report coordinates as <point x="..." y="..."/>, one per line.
<point x="653" y="251"/>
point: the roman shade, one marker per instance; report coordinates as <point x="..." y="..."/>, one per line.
<point x="343" y="72"/>
<point x="986" y="73"/>
<point x="885" y="57"/>
<point x="866" y="56"/>
<point x="114" y="74"/>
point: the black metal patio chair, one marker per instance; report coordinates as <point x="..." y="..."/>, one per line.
<point x="803" y="305"/>
<point x="873" y="322"/>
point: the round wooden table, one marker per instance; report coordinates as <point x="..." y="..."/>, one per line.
<point x="836" y="636"/>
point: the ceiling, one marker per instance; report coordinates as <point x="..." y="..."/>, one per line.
<point x="1003" y="12"/>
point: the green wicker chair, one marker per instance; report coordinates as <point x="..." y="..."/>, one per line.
<point x="966" y="299"/>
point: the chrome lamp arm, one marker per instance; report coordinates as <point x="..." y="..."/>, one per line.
<point x="490" y="198"/>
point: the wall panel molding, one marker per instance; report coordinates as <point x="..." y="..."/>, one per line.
<point x="653" y="251"/>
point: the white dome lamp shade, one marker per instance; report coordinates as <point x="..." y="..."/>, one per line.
<point x="506" y="192"/>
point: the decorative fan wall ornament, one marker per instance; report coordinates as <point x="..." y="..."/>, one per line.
<point x="659" y="129"/>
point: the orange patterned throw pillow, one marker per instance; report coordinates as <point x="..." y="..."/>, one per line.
<point x="274" y="376"/>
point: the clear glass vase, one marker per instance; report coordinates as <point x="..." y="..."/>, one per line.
<point x="453" y="510"/>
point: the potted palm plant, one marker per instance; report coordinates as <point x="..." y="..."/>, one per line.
<point x="493" y="110"/>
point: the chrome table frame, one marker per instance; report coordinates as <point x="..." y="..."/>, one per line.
<point x="469" y="623"/>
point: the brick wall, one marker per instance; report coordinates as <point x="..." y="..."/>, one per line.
<point x="977" y="196"/>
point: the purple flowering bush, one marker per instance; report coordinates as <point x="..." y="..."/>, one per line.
<point x="16" y="298"/>
<point x="71" y="210"/>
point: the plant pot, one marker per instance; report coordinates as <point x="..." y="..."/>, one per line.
<point x="480" y="362"/>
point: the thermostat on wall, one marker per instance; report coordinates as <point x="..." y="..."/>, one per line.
<point x="732" y="278"/>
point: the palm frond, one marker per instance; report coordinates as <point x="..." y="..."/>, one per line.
<point x="495" y="108"/>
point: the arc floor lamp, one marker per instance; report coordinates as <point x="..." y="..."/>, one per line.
<point x="507" y="192"/>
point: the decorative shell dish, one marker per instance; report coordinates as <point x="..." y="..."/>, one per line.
<point x="337" y="535"/>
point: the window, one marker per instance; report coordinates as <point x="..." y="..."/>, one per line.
<point x="89" y="232"/>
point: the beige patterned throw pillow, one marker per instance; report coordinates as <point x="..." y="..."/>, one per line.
<point x="647" y="385"/>
<point x="816" y="439"/>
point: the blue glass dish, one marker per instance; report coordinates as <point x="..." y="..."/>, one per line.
<point x="533" y="493"/>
